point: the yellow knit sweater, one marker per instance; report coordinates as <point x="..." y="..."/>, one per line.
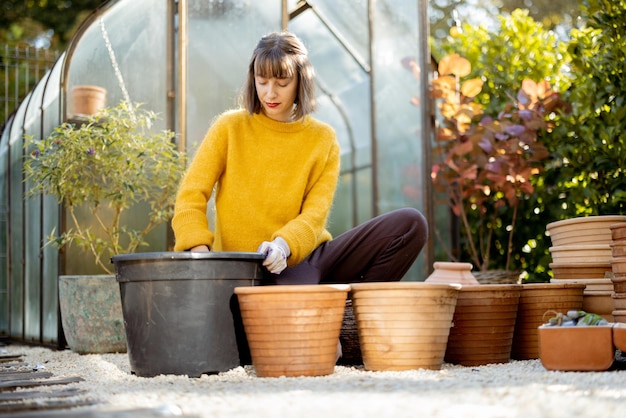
<point x="270" y="179"/>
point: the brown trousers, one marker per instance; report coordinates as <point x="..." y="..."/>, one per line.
<point x="379" y="250"/>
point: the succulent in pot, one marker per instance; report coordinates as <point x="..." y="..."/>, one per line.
<point x="106" y="165"/>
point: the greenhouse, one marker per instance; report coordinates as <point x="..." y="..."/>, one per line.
<point x="186" y="61"/>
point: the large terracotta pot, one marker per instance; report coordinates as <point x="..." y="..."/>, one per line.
<point x="403" y="325"/>
<point x="483" y="324"/>
<point x="293" y="330"/>
<point x="583" y="230"/>
<point x="535" y="300"/>
<point x="91" y="314"/>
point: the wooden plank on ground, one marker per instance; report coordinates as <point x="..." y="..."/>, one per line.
<point x="24" y="375"/>
<point x="14" y="384"/>
<point x="32" y="394"/>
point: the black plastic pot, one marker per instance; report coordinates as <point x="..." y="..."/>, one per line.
<point x="180" y="312"/>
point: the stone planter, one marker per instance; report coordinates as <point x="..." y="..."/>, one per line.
<point x="91" y="314"/>
<point x="180" y="311"/>
<point x="577" y="348"/>
<point x="403" y="325"/>
<point x="535" y="300"/>
<point x="293" y="330"/>
<point x="483" y="324"/>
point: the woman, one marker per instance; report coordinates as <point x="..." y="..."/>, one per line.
<point x="274" y="170"/>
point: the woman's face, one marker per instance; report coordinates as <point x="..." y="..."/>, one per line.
<point x="277" y="96"/>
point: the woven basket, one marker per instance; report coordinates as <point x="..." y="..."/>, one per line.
<point x="349" y="338"/>
<point x="497" y="277"/>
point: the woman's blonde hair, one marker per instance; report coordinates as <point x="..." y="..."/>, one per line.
<point x="281" y="55"/>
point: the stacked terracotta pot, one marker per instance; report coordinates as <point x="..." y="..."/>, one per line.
<point x="618" y="266"/>
<point x="581" y="253"/>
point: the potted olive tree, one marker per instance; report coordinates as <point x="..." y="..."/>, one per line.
<point x="106" y="165"/>
<point x="483" y="165"/>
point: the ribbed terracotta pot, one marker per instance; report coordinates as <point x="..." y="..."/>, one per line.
<point x="535" y="300"/>
<point x="618" y="232"/>
<point x="619" y="283"/>
<point x="292" y="330"/>
<point x="583" y="230"/>
<point x="483" y="324"/>
<point x="403" y="325"/>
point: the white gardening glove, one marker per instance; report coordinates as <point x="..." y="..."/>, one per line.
<point x="276" y="253"/>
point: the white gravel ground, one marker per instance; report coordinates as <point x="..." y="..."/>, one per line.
<point x="515" y="389"/>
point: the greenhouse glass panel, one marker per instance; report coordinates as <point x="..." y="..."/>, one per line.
<point x="221" y="38"/>
<point x="4" y="231"/>
<point x="399" y="128"/>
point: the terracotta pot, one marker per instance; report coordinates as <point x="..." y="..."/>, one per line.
<point x="599" y="302"/>
<point x="619" y="301"/>
<point x="583" y="230"/>
<point x="535" y="300"/>
<point x="618" y="231"/>
<point x="619" y="336"/>
<point x="452" y="272"/>
<point x="618" y="249"/>
<point x="91" y="314"/>
<point x="619" y="283"/>
<point x="618" y="265"/>
<point x="483" y="313"/>
<point x="598" y="253"/>
<point x="292" y="330"/>
<point x="619" y="316"/>
<point x="403" y="325"/>
<point x="581" y="270"/>
<point x="88" y="100"/>
<point x="590" y="284"/>
<point x="579" y="348"/>
<point x="497" y="277"/>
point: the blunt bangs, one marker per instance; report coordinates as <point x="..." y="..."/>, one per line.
<point x="274" y="63"/>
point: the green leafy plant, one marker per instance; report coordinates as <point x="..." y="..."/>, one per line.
<point x="107" y="164"/>
<point x="483" y="165"/>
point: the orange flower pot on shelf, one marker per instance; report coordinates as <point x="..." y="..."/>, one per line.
<point x="292" y="330"/>
<point x="583" y="230"/>
<point x="403" y="325"/>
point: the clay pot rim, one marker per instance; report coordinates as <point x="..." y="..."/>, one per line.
<point x="579" y="327"/>
<point x="553" y="285"/>
<point x="618" y="225"/>
<point x="404" y="286"/>
<point x="597" y="218"/>
<point x="453" y="265"/>
<point x="296" y="288"/>
<point x="482" y="287"/>
<point x="579" y="265"/>
<point x="598" y="281"/>
<point x="578" y="247"/>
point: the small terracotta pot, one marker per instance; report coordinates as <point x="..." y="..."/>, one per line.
<point x="619" y="315"/>
<point x="88" y="100"/>
<point x="292" y="330"/>
<point x="619" y="283"/>
<point x="619" y="336"/>
<point x="618" y="231"/>
<point x="403" y="325"/>
<point x="452" y="272"/>
<point x="597" y="253"/>
<point x="618" y="249"/>
<point x="581" y="270"/>
<point x="599" y="302"/>
<point x="535" y="300"/>
<point x="618" y="265"/>
<point x="579" y="348"/>
<point x="484" y="314"/>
